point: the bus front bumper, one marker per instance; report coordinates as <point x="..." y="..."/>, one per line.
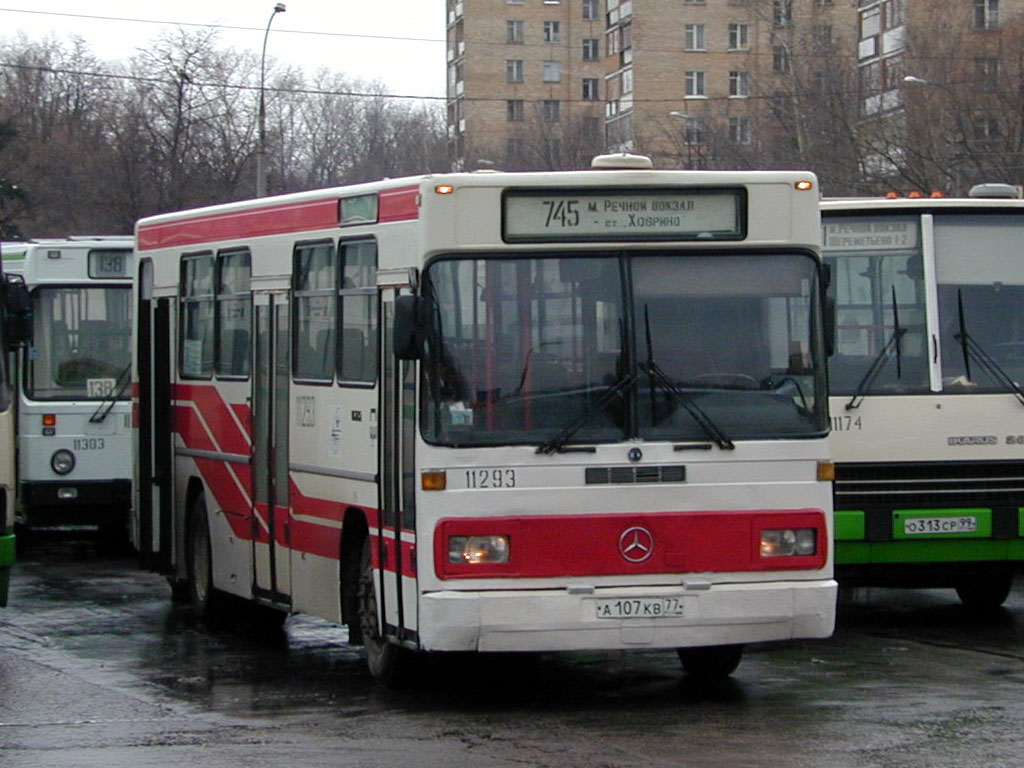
<point x="568" y="619"/>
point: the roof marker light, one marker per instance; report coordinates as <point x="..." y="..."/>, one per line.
<point x="444" y="189"/>
<point x="804" y="184"/>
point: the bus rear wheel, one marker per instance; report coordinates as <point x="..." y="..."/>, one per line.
<point x="985" y="594"/>
<point x="390" y="664"/>
<point x="712" y="662"/>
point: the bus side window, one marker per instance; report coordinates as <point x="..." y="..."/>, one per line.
<point x="357" y="296"/>
<point x="314" y="297"/>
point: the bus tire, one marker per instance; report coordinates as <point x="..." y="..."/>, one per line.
<point x="712" y="662"/>
<point x="389" y="663"/>
<point x="209" y="605"/>
<point x="985" y="594"/>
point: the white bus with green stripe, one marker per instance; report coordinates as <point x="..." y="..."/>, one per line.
<point x="13" y="309"/>
<point x="926" y="392"/>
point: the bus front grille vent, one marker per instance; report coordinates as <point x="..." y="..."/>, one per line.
<point x="670" y="473"/>
<point x="915" y="485"/>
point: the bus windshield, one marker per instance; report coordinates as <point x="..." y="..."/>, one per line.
<point x="981" y="301"/>
<point x="666" y="346"/>
<point x="81" y="343"/>
<point x="878" y="286"/>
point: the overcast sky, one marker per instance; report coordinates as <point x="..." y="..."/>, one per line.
<point x="400" y="42"/>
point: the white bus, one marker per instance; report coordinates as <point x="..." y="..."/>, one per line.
<point x="72" y="384"/>
<point x="13" y="311"/>
<point x="495" y="411"/>
<point x="927" y="408"/>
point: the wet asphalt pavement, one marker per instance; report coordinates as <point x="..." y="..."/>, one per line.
<point x="97" y="668"/>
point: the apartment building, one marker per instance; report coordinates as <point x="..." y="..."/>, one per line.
<point x="525" y="80"/>
<point x="695" y="83"/>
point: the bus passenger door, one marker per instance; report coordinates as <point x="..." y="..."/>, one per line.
<point x="270" y="540"/>
<point x="153" y="526"/>
<point x="396" y="543"/>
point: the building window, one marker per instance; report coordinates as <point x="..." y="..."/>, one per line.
<point x="739" y="37"/>
<point x="782" y="13"/>
<point x="986" y="72"/>
<point x="590" y="10"/>
<point x="780" y="59"/>
<point x="739" y="83"/>
<point x="694" y="83"/>
<point x="694" y="39"/>
<point x="693" y="2"/>
<point x="552" y="110"/>
<point x="739" y="130"/>
<point x="552" y="71"/>
<point x="694" y="131"/>
<point x="895" y="12"/>
<point x="591" y="49"/>
<point x="513" y="70"/>
<point x="986" y="128"/>
<point x="552" y="31"/>
<point x="986" y="14"/>
<point x="821" y="34"/>
<point x="514" y="32"/>
<point x="514" y="108"/>
<point x="591" y="89"/>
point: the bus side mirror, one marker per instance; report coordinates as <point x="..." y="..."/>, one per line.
<point x="830" y="326"/>
<point x="408" y="326"/>
<point x="18" y="306"/>
<point x="828" y="310"/>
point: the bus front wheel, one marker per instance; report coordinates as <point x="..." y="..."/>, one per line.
<point x="712" y="662"/>
<point x="389" y="663"/>
<point x="985" y="594"/>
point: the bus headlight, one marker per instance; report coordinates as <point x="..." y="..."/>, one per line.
<point x="62" y="461"/>
<point x="789" y="542"/>
<point x="478" y="549"/>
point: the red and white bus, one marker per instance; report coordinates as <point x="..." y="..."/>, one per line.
<point x="495" y="411"/>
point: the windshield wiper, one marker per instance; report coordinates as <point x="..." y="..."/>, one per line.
<point x="679" y="397"/>
<point x="881" y="358"/>
<point x="972" y="348"/>
<point x="682" y="399"/>
<point x="112" y="397"/>
<point x="557" y="443"/>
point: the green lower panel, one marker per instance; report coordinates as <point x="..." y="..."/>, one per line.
<point x="933" y="551"/>
<point x="6" y="561"/>
<point x="849" y="524"/>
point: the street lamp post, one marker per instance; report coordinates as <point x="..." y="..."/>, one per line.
<point x="261" y="150"/>
<point x="689" y="126"/>
<point x="960" y="137"/>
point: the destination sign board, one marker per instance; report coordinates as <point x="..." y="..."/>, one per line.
<point x="881" y="234"/>
<point x="550" y="215"/>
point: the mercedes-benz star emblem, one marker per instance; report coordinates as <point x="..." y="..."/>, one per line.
<point x="636" y="544"/>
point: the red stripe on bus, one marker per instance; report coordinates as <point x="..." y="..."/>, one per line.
<point x="622" y="544"/>
<point x="223" y="428"/>
<point x="398" y="204"/>
<point x="278" y="219"/>
<point x="244" y="414"/>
